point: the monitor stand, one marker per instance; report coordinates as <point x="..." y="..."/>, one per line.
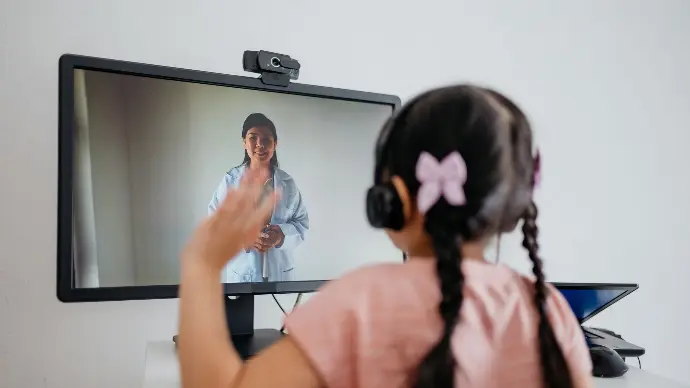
<point x="239" y="313"/>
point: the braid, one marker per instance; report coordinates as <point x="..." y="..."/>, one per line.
<point x="438" y="367"/>
<point x="555" y="368"/>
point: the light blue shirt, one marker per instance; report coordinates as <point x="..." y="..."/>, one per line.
<point x="289" y="213"/>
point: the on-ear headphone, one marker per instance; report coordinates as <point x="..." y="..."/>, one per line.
<point x="384" y="207"/>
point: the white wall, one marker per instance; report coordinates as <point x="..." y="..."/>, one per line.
<point x="604" y="82"/>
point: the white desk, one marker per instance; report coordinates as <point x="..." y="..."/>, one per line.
<point x="162" y="371"/>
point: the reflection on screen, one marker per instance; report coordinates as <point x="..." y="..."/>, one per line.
<point x="153" y="157"/>
<point x="584" y="302"/>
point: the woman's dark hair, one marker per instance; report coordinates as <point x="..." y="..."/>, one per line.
<point x="495" y="140"/>
<point x="255" y="120"/>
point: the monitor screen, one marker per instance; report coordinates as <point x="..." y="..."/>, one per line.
<point x="153" y="157"/>
<point x="585" y="302"/>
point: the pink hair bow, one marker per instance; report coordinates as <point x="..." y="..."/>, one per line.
<point x="440" y="179"/>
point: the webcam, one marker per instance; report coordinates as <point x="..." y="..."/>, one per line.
<point x="274" y="69"/>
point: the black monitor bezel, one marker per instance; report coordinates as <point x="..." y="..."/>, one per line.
<point x="628" y="287"/>
<point x="70" y="62"/>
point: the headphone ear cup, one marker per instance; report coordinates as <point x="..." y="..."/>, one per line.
<point x="384" y="207"/>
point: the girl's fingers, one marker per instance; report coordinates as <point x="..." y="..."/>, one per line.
<point x="229" y="201"/>
<point x="254" y="177"/>
<point x="239" y="208"/>
<point x="253" y="187"/>
<point x="244" y="198"/>
<point x="239" y="211"/>
<point x="257" y="220"/>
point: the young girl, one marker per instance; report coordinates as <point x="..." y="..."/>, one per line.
<point x="453" y="168"/>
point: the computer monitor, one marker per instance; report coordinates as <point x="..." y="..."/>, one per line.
<point x="589" y="299"/>
<point x="146" y="152"/>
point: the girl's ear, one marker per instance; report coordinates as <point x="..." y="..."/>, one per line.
<point x="404" y="195"/>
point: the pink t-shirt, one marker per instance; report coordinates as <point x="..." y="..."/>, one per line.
<point x="373" y="327"/>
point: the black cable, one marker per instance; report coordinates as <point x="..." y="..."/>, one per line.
<point x="299" y="298"/>
<point x="278" y="303"/>
<point x="639" y="363"/>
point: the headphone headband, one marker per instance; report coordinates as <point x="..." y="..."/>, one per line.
<point x="382" y="144"/>
<point x="384" y="205"/>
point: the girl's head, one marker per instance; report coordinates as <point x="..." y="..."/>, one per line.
<point x="260" y="141"/>
<point x="483" y="142"/>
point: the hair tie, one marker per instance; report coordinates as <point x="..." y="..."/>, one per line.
<point x="440" y="179"/>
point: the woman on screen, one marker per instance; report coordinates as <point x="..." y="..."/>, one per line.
<point x="288" y="223"/>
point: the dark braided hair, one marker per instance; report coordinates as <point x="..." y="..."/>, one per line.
<point x="495" y="140"/>
<point x="554" y="366"/>
<point x="438" y="366"/>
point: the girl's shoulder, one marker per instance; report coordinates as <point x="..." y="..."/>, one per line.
<point x="366" y="288"/>
<point x="365" y="279"/>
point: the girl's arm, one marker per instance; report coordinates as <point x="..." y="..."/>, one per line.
<point x="207" y="357"/>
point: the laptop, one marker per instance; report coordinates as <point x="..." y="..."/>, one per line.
<point x="589" y="299"/>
